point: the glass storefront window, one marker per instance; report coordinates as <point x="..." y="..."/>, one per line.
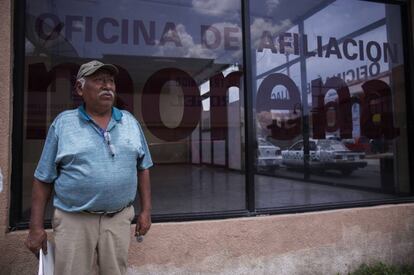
<point x="180" y="68"/>
<point x="326" y="80"/>
<point x="330" y="102"/>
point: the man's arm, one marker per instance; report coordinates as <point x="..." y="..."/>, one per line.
<point x="144" y="218"/>
<point x="37" y="237"/>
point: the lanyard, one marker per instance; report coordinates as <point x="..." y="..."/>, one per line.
<point x="107" y="139"/>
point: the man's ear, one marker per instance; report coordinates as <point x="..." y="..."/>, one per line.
<point x="79" y="88"/>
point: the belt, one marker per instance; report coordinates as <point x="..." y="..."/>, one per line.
<point x="108" y="213"/>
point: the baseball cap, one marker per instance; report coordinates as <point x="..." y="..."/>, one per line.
<point x="94" y="65"/>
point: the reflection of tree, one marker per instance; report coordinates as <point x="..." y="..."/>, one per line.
<point x="264" y="120"/>
<point x="54" y="43"/>
<point x="279" y="125"/>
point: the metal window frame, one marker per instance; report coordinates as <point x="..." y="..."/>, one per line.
<point x="408" y="50"/>
<point x="16" y="188"/>
<point x="16" y="185"/>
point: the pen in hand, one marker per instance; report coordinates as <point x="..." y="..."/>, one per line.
<point x="139" y="237"/>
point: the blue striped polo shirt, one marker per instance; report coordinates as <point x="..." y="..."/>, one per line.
<point x="86" y="173"/>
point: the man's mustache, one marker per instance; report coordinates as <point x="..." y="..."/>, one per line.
<point x="106" y="92"/>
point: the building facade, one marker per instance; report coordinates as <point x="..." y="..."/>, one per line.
<point x="279" y="129"/>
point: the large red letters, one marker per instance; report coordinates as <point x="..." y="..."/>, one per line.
<point x="376" y="100"/>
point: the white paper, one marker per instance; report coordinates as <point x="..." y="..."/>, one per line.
<point x="1" y="181"/>
<point x="47" y="262"/>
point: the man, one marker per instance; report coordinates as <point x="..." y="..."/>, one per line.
<point x="90" y="159"/>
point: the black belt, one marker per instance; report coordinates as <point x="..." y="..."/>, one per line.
<point x="108" y="213"/>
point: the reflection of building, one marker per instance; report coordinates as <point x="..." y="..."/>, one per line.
<point x="202" y="133"/>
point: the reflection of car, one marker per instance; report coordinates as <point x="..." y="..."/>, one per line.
<point x="359" y="144"/>
<point x="268" y="155"/>
<point x="333" y="138"/>
<point x="325" y="154"/>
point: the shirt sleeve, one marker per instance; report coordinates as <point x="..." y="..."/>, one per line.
<point x="46" y="170"/>
<point x="144" y="157"/>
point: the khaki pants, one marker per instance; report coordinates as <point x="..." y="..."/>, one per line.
<point x="92" y="244"/>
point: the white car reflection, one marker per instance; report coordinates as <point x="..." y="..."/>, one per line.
<point x="268" y="155"/>
<point x="325" y="154"/>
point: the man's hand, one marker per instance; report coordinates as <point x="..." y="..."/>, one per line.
<point x="144" y="218"/>
<point x="35" y="240"/>
<point x="143" y="223"/>
<point x="37" y="237"/>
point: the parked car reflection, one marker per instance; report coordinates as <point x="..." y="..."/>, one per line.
<point x="268" y="155"/>
<point x="324" y="154"/>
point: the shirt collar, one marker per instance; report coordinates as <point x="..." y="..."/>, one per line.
<point x="116" y="113"/>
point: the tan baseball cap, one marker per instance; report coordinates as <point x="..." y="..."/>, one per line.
<point x="94" y="65"/>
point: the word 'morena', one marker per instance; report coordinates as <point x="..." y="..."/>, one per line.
<point x="375" y="99"/>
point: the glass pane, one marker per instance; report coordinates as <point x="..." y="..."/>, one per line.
<point x="180" y="68"/>
<point x="330" y="80"/>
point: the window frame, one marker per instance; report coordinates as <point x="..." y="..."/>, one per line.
<point x="15" y="218"/>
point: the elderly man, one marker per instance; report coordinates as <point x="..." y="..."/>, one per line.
<point x="90" y="158"/>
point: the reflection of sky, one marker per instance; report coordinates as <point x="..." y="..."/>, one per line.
<point x="342" y="17"/>
<point x="280" y="10"/>
<point x="336" y="20"/>
<point x="187" y="15"/>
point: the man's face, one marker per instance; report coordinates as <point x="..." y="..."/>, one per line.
<point x="99" y="90"/>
